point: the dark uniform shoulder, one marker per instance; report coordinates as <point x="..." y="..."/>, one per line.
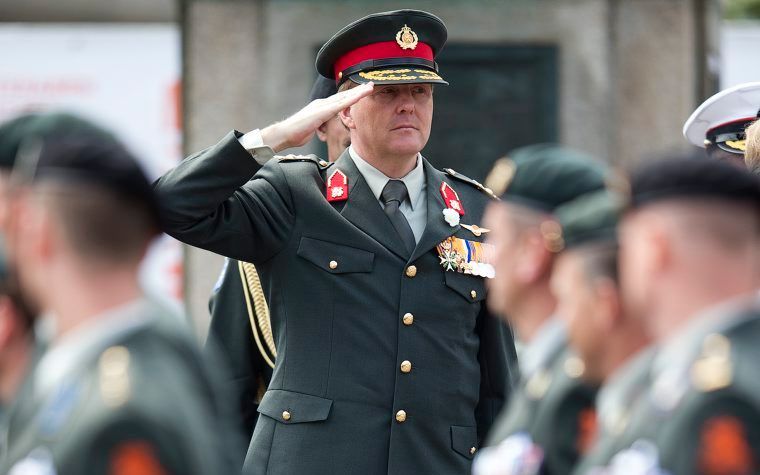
<point x="465" y="179"/>
<point x="291" y="158"/>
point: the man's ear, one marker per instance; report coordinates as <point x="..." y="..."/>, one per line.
<point x="347" y="118"/>
<point x="322" y="132"/>
<point x="534" y="261"/>
<point x="609" y="310"/>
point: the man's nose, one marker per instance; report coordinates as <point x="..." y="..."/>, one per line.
<point x="406" y="102"/>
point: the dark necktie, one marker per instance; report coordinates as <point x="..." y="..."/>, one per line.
<point x="394" y="193"/>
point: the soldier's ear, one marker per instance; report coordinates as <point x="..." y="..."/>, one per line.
<point x="6" y="321"/>
<point x="607" y="302"/>
<point x="534" y="262"/>
<point x="322" y="132"/>
<point x="347" y="118"/>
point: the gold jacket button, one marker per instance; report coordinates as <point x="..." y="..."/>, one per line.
<point x="411" y="271"/>
<point x="401" y="416"/>
<point x="333" y="264"/>
<point x="285" y="415"/>
<point x="473" y="450"/>
<point x="408" y="319"/>
<point x="406" y="366"/>
<point x="322" y="163"/>
<point x="473" y="294"/>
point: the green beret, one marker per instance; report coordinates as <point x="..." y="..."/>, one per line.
<point x="545" y="176"/>
<point x="693" y="176"/>
<point x="590" y="218"/>
<point x="41" y="126"/>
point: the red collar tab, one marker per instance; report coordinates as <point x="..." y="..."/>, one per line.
<point x="451" y="198"/>
<point x="381" y="50"/>
<point x="337" y="186"/>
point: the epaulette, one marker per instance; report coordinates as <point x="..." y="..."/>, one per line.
<point x="304" y="158"/>
<point x="470" y="181"/>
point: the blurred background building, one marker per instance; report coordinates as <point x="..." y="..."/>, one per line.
<point x="616" y="78"/>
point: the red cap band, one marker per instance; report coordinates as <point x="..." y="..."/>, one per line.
<point x="381" y="50"/>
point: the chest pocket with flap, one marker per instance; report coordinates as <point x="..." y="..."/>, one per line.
<point x="335" y="258"/>
<point x="470" y="287"/>
<point x="290" y="407"/>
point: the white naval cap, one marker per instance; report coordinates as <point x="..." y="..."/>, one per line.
<point x="722" y="118"/>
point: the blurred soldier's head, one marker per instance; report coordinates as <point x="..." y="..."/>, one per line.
<point x="395" y="50"/>
<point x="752" y="155"/>
<point x="585" y="283"/>
<point x="718" y="124"/>
<point x="533" y="182"/>
<point x="689" y="240"/>
<point x="333" y="133"/>
<point x="83" y="213"/>
<point x="16" y="315"/>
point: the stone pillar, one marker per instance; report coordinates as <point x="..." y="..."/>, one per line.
<point x="653" y="71"/>
<point x="220" y="46"/>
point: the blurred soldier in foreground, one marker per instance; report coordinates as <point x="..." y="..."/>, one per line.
<point x="610" y="343"/>
<point x="753" y="148"/>
<point x="16" y="339"/>
<point x="17" y="348"/>
<point x="549" y="420"/>
<point x="240" y="329"/>
<point x="718" y="124"/>
<point x="122" y="387"/>
<point x="689" y="261"/>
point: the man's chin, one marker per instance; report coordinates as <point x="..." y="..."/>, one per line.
<point x="406" y="147"/>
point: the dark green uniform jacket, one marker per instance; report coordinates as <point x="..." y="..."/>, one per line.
<point x="615" y="401"/>
<point x="139" y="397"/>
<point x="701" y="414"/>
<point x="247" y="356"/>
<point x="348" y="306"/>
<point x="555" y="408"/>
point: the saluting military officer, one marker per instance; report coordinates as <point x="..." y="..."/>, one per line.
<point x="373" y="267"/>
<point x="689" y="270"/>
<point x="121" y="387"/>
<point x="240" y="331"/>
<point x="612" y="344"/>
<point x="718" y="124"/>
<point x="550" y="419"/>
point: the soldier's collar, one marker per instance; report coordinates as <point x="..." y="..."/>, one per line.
<point x="414" y="180"/>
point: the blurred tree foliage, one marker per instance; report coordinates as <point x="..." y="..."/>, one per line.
<point x="734" y="9"/>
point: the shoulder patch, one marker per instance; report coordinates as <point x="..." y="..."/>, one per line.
<point x="304" y="158"/>
<point x="115" y="386"/>
<point x="471" y="182"/>
<point x="713" y="369"/>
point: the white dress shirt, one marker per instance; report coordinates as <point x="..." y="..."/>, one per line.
<point x="415" y="207"/>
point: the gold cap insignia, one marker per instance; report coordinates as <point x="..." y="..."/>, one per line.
<point x="737" y="144"/>
<point x="406" y="38"/>
<point x="501" y="176"/>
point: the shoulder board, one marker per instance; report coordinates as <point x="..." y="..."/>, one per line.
<point x="304" y="158"/>
<point x="470" y="181"/>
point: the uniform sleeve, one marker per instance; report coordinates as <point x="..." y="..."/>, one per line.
<point x="724" y="438"/>
<point x="498" y="369"/>
<point x="230" y="341"/>
<point x="207" y="201"/>
<point x="128" y="448"/>
<point x="576" y="416"/>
